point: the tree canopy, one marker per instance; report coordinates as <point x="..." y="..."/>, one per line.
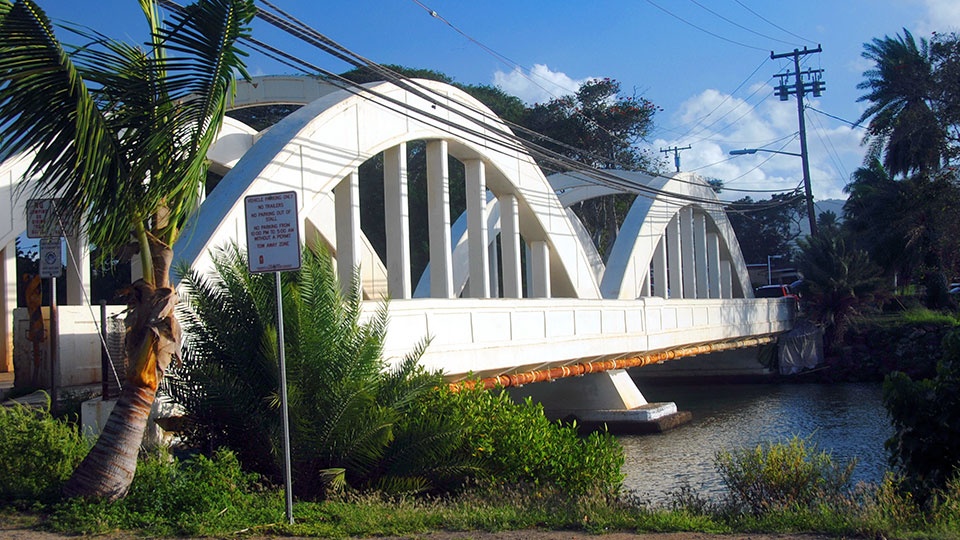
<point x="904" y="204"/>
<point x="767" y="227"/>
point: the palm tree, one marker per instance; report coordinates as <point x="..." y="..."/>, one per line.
<point x="903" y="125"/>
<point x="120" y="133"/>
<point x="838" y="283"/>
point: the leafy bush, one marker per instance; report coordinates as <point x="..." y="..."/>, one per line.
<point x="516" y="443"/>
<point x="782" y="476"/>
<point x="169" y="496"/>
<point x="925" y="414"/>
<point x="343" y="400"/>
<point x="37" y="453"/>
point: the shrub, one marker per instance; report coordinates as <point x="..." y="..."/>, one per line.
<point x="37" y="453"/>
<point x="925" y="414"/>
<point x="516" y="443"/>
<point x="343" y="400"/>
<point x="782" y="476"/>
<point x="197" y="496"/>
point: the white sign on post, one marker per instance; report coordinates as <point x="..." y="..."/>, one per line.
<point x="51" y="258"/>
<point x="273" y="232"/>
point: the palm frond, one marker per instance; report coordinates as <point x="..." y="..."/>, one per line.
<point x="199" y="63"/>
<point x="46" y="108"/>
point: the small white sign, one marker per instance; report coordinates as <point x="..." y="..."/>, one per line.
<point x="51" y="258"/>
<point x="273" y="232"/>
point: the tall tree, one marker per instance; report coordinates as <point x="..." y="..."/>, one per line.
<point x="121" y="133"/>
<point x="767" y="227"/>
<point x="900" y="88"/>
<point x="599" y="127"/>
<point x="945" y="54"/>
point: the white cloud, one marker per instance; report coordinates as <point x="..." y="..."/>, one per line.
<point x="941" y="16"/>
<point x="539" y="86"/>
<point x="714" y="123"/>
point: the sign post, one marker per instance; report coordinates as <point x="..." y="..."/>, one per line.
<point x="51" y="267"/>
<point x="46" y="221"/>
<point x="273" y="245"/>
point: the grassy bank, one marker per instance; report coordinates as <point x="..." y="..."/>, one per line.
<point x="787" y="487"/>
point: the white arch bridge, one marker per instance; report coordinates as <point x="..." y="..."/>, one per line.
<point x="514" y="289"/>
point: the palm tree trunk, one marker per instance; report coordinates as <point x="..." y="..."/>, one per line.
<point x="152" y="340"/>
<point x="108" y="469"/>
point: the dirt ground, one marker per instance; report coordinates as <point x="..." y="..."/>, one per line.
<point x="13" y="532"/>
<point x="14" y="526"/>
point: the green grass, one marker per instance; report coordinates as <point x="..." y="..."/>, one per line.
<point x="921" y="315"/>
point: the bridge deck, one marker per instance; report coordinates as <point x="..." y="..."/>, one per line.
<point x="490" y="337"/>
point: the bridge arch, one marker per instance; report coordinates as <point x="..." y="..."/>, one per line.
<point x="317" y="149"/>
<point x="675" y="248"/>
<point x="705" y="259"/>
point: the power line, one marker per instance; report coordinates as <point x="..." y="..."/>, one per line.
<point x="704" y="30"/>
<point x="845" y="121"/>
<point x="504" y="138"/>
<point x="738" y="25"/>
<point x="771" y="23"/>
<point x="725" y="99"/>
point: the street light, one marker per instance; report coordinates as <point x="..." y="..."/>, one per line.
<point x="769" y="268"/>
<point x="746" y="151"/>
<point x="807" y="191"/>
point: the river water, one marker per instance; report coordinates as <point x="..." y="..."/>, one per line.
<point x="847" y="420"/>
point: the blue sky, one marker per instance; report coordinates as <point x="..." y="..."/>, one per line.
<point x="705" y="62"/>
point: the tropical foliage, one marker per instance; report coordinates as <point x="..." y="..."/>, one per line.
<point x="38" y="453"/>
<point x="910" y="227"/>
<point x="925" y="414"/>
<point x="838" y="283"/>
<point x="785" y="475"/>
<point x="904" y="204"/>
<point x="542" y="453"/>
<point x="903" y="126"/>
<point x="345" y="401"/>
<point x="767" y="227"/>
<point x="120" y="133"/>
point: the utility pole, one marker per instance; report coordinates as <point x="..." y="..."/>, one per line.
<point x="814" y="85"/>
<point x="676" y="154"/>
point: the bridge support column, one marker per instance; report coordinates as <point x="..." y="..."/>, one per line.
<point x="476" y="187"/>
<point x="397" y="217"/>
<point x="674" y="261"/>
<point x="700" y="253"/>
<point x="539" y="269"/>
<point x="687" y="266"/>
<point x="726" y="279"/>
<point x="493" y="256"/>
<point x="8" y="302"/>
<point x="347" y="215"/>
<point x="713" y="261"/>
<point x="510" y="246"/>
<point x="438" y="207"/>
<point x="78" y="270"/>
<point x="660" y="270"/>
<point x="610" y="398"/>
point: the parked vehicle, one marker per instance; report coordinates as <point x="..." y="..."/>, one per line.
<point x="776" y="291"/>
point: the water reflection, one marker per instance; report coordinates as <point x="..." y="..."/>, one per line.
<point x="847" y="420"/>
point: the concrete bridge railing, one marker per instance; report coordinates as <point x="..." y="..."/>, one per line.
<point x="490" y="337"/>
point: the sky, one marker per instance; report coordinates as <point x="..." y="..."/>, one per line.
<point x="705" y="63"/>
